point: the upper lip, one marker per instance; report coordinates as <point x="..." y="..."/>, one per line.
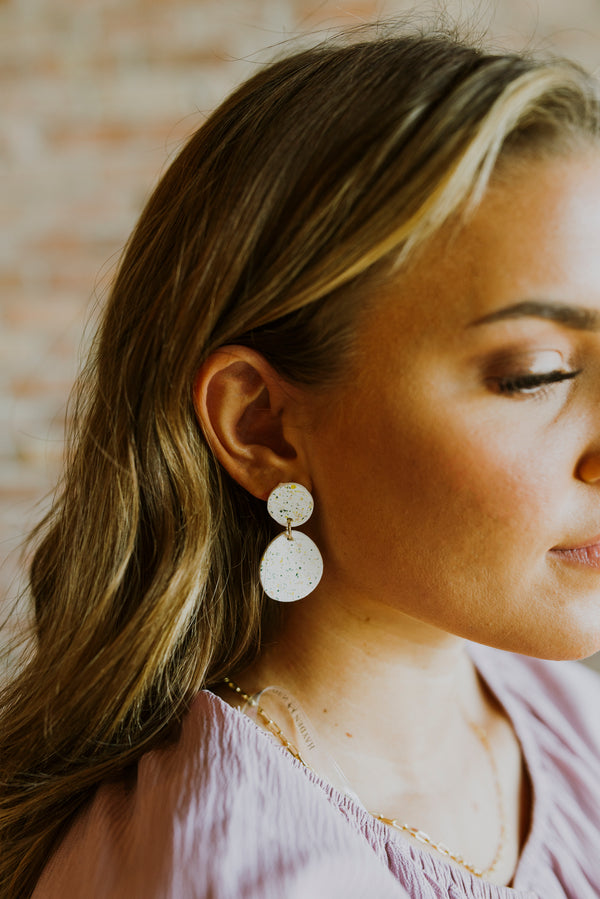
<point x="593" y="541"/>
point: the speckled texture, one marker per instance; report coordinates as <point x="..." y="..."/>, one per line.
<point x="291" y="501"/>
<point x="290" y="569"/>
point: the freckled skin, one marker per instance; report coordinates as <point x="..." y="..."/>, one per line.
<point x="435" y="493"/>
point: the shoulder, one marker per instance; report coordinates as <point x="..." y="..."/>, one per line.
<point x="224" y="812"/>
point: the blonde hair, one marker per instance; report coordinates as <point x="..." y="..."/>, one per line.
<point x="319" y="176"/>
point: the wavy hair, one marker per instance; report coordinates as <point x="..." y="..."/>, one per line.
<point x="314" y="180"/>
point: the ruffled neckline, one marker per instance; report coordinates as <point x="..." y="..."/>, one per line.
<point x="457" y="881"/>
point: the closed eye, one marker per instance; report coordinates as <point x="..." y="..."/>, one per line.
<point x="529" y="384"/>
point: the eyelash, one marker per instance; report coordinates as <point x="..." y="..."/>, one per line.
<point x="524" y="385"/>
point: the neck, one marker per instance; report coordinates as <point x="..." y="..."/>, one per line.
<point x="349" y="671"/>
<point x="397" y="704"/>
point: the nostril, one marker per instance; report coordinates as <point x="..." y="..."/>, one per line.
<point x="588" y="469"/>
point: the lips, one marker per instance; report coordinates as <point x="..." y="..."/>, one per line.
<point x="586" y="554"/>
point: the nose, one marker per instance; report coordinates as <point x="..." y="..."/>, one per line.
<point x="588" y="469"/>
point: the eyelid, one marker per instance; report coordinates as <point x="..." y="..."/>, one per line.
<point x="526" y="362"/>
<point x="534" y="386"/>
<point x="527" y="371"/>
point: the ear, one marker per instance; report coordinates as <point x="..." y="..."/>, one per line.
<point x="250" y="418"/>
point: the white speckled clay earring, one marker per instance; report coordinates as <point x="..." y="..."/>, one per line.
<point x="292" y="565"/>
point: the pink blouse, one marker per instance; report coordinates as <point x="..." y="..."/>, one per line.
<point x="225" y="812"/>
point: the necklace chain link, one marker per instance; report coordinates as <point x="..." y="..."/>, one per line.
<point x="414" y="832"/>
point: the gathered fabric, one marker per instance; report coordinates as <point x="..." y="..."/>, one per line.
<point x="226" y="812"/>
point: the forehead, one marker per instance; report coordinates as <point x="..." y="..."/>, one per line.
<point x="538" y="222"/>
<point x="535" y="234"/>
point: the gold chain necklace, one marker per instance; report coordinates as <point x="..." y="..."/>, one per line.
<point x="414" y="832"/>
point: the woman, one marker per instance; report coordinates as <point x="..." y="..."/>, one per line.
<point x="369" y="282"/>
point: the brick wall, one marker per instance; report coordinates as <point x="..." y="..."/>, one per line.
<point x="94" y="99"/>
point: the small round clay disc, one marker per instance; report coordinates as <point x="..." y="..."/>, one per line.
<point x="290" y="501"/>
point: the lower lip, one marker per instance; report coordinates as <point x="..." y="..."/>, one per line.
<point x="583" y="555"/>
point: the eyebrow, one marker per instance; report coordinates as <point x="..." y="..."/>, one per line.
<point x="578" y="317"/>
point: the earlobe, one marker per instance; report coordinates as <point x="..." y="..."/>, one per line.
<point x="246" y="416"/>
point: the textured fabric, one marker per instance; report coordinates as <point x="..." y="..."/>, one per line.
<point x="227" y="813"/>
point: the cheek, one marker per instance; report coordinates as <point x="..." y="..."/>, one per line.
<point x="449" y="521"/>
<point x="437" y="491"/>
<point x="500" y="482"/>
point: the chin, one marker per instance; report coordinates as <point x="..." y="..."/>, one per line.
<point x="567" y="617"/>
<point x="578" y="635"/>
<point x="566" y="634"/>
<point x="561" y="644"/>
<point x="561" y="624"/>
<point x="576" y="653"/>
